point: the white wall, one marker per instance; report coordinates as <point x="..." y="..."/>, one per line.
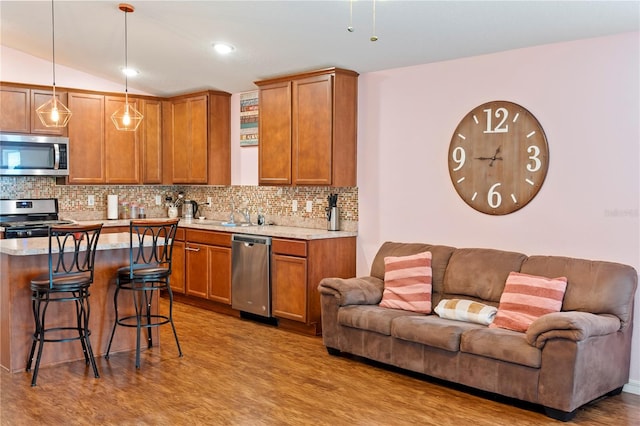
<point x="586" y="96"/>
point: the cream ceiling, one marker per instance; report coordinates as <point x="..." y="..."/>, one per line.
<point x="170" y="41"/>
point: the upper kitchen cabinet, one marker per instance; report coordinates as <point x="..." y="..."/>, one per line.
<point x="86" y="138"/>
<point x="122" y="148"/>
<point x="308" y="128"/>
<point x="18" y="106"/>
<point x="198" y="139"/>
<point x="150" y="132"/>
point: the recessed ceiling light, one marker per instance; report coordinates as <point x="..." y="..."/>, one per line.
<point x="130" y="72"/>
<point x="223" y="48"/>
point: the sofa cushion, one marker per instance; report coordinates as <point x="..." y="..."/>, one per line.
<point x="370" y="317"/>
<point x="407" y="283"/>
<point x="431" y="330"/>
<point x="479" y="273"/>
<point x="505" y="345"/>
<point x="526" y="298"/>
<point x="466" y="310"/>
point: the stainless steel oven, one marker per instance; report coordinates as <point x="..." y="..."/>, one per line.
<point x="29" y="155"/>
<point x="30" y="217"/>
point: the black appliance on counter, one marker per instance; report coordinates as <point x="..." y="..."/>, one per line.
<point x="27" y="218"/>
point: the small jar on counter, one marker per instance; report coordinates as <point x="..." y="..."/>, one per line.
<point x="124" y="210"/>
<point x="142" y="214"/>
<point x="134" y="211"/>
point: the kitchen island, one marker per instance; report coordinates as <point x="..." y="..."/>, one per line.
<point x="23" y="258"/>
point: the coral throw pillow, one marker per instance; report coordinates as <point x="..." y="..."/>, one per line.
<point x="526" y="298"/>
<point x="407" y="283"/>
<point x="466" y="310"/>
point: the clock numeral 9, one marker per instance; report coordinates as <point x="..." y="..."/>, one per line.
<point x="501" y="127"/>
<point x="458" y="156"/>
<point x="494" y="199"/>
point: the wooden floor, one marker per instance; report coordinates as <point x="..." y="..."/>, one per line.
<point x="238" y="372"/>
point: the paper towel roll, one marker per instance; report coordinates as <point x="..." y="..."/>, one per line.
<point x="112" y="206"/>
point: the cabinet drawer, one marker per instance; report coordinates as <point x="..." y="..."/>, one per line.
<point x="209" y="237"/>
<point x="290" y="247"/>
<point x="180" y="234"/>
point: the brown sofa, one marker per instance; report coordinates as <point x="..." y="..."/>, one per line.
<point x="564" y="360"/>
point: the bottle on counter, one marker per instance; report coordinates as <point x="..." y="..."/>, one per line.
<point x="142" y="214"/>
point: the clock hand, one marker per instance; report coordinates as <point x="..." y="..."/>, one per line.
<point x="495" y="156"/>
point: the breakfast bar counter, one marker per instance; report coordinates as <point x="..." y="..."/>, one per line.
<point x="21" y="260"/>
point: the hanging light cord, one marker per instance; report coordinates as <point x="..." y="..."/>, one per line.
<point x="374" y="37"/>
<point x="126" y="65"/>
<point x="53" y="42"/>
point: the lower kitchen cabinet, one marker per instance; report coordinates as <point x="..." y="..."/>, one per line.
<point x="177" y="278"/>
<point x="208" y="265"/>
<point x="297" y="267"/>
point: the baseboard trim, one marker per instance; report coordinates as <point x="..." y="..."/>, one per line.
<point x="632" y="387"/>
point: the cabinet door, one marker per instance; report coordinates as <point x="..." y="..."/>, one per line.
<point x="189" y="140"/>
<point x="220" y="274"/>
<point x="274" y="150"/>
<point x="122" y="161"/>
<point x="15" y="107"/>
<point x="86" y="139"/>
<point x="197" y="270"/>
<point x="289" y="287"/>
<point x="151" y="141"/>
<point x="178" y="267"/>
<point x="40" y="97"/>
<point x="312" y="130"/>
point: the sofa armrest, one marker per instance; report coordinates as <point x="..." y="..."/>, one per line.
<point x="572" y="325"/>
<point x="353" y="291"/>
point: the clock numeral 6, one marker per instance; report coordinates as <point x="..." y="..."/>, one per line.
<point x="494" y="199"/>
<point x="458" y="156"/>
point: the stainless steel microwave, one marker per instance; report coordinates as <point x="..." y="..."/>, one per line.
<point x="30" y="155"/>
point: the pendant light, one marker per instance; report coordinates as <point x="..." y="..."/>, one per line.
<point x="127" y="117"/>
<point x="53" y="113"/>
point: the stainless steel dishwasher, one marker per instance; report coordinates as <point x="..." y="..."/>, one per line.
<point x="251" y="274"/>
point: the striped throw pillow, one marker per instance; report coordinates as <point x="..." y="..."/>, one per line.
<point x="466" y="310"/>
<point x="407" y="283"/>
<point x="526" y="298"/>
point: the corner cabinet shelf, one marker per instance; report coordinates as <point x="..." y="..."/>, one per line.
<point x="308" y="127"/>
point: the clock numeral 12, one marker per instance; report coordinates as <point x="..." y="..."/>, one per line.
<point x="501" y="113"/>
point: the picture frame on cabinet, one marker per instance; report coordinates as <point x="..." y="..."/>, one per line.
<point x="249" y="118"/>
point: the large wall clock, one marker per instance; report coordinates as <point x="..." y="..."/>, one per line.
<point x="498" y="157"/>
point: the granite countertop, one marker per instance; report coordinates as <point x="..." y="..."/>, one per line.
<point x="40" y="245"/>
<point x="264" y="230"/>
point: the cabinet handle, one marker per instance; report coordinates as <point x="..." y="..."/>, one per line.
<point x="192" y="249"/>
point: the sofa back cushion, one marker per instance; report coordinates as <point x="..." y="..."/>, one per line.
<point x="479" y="273"/>
<point x="439" y="258"/>
<point x="598" y="287"/>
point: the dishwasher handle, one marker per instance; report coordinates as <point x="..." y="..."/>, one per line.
<point x="250" y="240"/>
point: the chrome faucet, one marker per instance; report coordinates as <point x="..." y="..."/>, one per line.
<point x="247" y="215"/>
<point x="233" y="209"/>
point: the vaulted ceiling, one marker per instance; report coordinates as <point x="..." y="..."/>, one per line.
<point x="170" y="42"/>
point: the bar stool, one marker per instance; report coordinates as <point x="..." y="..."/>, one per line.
<point x="72" y="252"/>
<point x="148" y="272"/>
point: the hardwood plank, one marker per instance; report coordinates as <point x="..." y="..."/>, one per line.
<point x="240" y="372"/>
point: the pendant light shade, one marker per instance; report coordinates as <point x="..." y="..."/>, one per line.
<point x="53" y="113"/>
<point x="127" y="117"/>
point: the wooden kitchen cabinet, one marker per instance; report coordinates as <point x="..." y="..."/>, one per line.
<point x="150" y="133"/>
<point x="297" y="266"/>
<point x="86" y="138"/>
<point x="199" y="139"/>
<point x="121" y="148"/>
<point x="308" y="128"/>
<point x="177" y="279"/>
<point x="18" y="106"/>
<point x="208" y="265"/>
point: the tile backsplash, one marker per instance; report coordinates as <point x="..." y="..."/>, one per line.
<point x="275" y="202"/>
